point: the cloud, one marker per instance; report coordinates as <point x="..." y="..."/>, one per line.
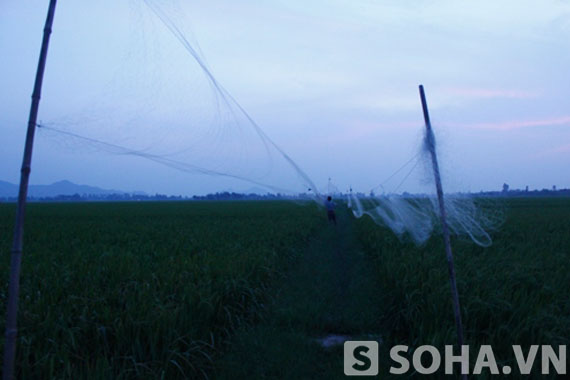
<point x="517" y="124"/>
<point x="486" y="93"/>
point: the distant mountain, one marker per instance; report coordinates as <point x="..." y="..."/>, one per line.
<point x="8" y="190"/>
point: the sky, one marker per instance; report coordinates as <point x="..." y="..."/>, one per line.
<point x="334" y="84"/>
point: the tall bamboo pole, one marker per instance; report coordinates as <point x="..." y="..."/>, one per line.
<point x="430" y="144"/>
<point x="16" y="256"/>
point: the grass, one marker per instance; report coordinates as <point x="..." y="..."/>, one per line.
<point x="147" y="290"/>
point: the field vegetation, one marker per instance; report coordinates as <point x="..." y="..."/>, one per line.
<point x="226" y="289"/>
<point x="514" y="292"/>
<point x="144" y="290"/>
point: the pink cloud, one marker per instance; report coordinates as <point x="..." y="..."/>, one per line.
<point x="516" y="124"/>
<point x="490" y="93"/>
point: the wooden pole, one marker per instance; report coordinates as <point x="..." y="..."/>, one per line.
<point x="16" y="256"/>
<point x="430" y="144"/>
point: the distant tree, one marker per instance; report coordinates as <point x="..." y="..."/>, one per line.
<point x="505" y="188"/>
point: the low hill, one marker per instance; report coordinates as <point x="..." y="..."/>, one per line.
<point x="10" y="190"/>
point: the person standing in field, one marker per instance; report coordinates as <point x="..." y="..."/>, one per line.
<point x="329" y="204"/>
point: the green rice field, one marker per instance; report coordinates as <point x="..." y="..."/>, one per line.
<point x="177" y="290"/>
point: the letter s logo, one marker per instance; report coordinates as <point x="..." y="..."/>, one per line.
<point x="360" y="358"/>
<point x="358" y="355"/>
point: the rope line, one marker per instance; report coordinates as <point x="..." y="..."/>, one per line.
<point x="178" y="165"/>
<point x="399" y="170"/>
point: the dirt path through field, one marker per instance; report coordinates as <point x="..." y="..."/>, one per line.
<point x="329" y="294"/>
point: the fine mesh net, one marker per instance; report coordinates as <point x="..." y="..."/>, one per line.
<point x="164" y="104"/>
<point x="418" y="216"/>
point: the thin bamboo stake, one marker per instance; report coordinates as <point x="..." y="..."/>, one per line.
<point x="430" y="143"/>
<point x="16" y="256"/>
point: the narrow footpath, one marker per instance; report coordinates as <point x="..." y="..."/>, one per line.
<point x="329" y="296"/>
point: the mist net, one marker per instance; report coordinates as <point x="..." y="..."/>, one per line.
<point x="418" y="216"/>
<point x="153" y="96"/>
<point x="150" y="94"/>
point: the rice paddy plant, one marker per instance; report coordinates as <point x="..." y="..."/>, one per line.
<point x="144" y="290"/>
<point x="512" y="293"/>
